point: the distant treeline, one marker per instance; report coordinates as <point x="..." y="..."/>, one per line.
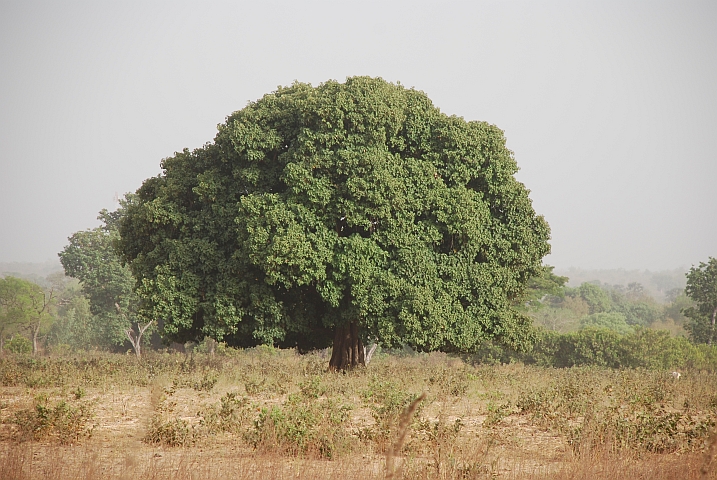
<point x="593" y="324"/>
<point x="656" y="283"/>
<point x="600" y="347"/>
<point x="618" y="308"/>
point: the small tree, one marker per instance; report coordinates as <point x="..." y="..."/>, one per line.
<point x="702" y="289"/>
<point x="74" y="324"/>
<point x="41" y="302"/>
<point x="13" y="315"/>
<point x="135" y="338"/>
<point x="90" y="257"/>
<point x="598" y="300"/>
<point x="24" y="305"/>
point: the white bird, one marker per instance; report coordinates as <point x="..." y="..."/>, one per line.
<point x="676" y="375"/>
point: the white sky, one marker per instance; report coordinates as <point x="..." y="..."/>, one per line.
<point x="609" y="106"/>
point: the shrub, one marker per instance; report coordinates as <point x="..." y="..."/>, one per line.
<point x="11" y="374"/>
<point x="449" y="381"/>
<point x="63" y="421"/>
<point x="204" y="383"/>
<point x="386" y="401"/>
<point x="651" y="430"/>
<point x="301" y="426"/>
<point x="643" y="348"/>
<point x="436" y="438"/>
<point x="312" y="387"/>
<point x="589" y="346"/>
<point x="171" y="432"/>
<point x="230" y="415"/>
<point x="254" y="386"/>
<point x="629" y="412"/>
<point x="496" y="413"/>
<point x="164" y="428"/>
<point x="19" y="345"/>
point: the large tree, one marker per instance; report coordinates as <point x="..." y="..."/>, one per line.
<point x="334" y="215"/>
<point x="702" y="289"/>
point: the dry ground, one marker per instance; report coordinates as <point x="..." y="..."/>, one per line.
<point x="264" y="413"/>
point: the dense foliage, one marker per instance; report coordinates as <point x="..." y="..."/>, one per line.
<point x="14" y="306"/>
<point x="598" y="339"/>
<point x="605" y="347"/>
<point x="346" y="204"/>
<point x="613" y="307"/>
<point x="25" y="307"/>
<point x="107" y="284"/>
<point x="702" y="289"/>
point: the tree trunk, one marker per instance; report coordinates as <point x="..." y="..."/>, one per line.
<point x="712" y="327"/>
<point x="35" y="331"/>
<point x="348" y="351"/>
<point x="136" y="338"/>
<point x="211" y="345"/>
<point x="367" y="354"/>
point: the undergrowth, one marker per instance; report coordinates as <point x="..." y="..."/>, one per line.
<point x="61" y="420"/>
<point x="278" y="403"/>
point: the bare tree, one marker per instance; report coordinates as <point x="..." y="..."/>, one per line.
<point x="367" y="354"/>
<point x="135" y="338"/>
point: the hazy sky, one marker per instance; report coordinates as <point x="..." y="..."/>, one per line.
<point x="609" y="106"/>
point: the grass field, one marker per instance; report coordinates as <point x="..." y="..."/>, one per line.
<point x="267" y="413"/>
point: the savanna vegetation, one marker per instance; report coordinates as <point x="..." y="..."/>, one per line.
<point x="270" y="413"/>
<point x="221" y="322"/>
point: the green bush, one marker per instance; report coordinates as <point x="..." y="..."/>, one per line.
<point x="643" y="348"/>
<point x="19" y="345"/>
<point x="610" y="320"/>
<point x="232" y="413"/>
<point x="590" y="346"/>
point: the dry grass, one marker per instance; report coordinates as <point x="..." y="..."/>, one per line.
<point x="265" y="413"/>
